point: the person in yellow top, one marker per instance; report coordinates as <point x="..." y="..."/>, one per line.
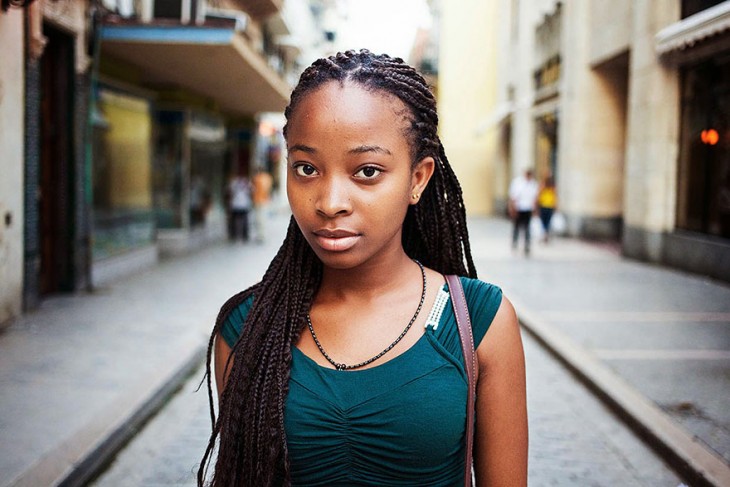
<point x="547" y="202"/>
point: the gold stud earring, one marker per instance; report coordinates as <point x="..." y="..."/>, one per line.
<point x="415" y="196"/>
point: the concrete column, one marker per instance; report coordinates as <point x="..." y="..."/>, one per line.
<point x="650" y="181"/>
<point x="523" y="125"/>
<point x="591" y="132"/>
<point x="12" y="98"/>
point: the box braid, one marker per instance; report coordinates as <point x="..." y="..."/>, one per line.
<point x="249" y="430"/>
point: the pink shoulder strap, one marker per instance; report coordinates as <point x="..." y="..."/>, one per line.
<point x="470" y="360"/>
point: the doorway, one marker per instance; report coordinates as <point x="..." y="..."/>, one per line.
<point x="55" y="195"/>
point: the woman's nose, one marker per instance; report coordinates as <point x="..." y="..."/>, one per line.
<point x="334" y="198"/>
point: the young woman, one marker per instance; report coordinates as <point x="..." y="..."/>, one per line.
<point x="343" y="366"/>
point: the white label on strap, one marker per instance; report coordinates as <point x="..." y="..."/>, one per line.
<point x="438" y="308"/>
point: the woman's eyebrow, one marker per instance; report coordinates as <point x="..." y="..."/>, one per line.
<point x="369" y="148"/>
<point x="303" y="148"/>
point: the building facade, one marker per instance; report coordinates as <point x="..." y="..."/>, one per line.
<point x="44" y="70"/>
<point x="121" y="123"/>
<point x="624" y="103"/>
<point x="466" y="96"/>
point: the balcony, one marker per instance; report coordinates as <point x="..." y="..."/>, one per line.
<point x="208" y="52"/>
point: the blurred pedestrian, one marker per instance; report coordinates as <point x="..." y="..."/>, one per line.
<point x="199" y="201"/>
<point x="547" y="202"/>
<point x="239" y="190"/>
<point x="364" y="400"/>
<point x="262" y="182"/>
<point x="522" y="199"/>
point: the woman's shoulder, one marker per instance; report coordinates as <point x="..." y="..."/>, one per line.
<point x="483" y="300"/>
<point x="478" y="289"/>
<point x="234" y="313"/>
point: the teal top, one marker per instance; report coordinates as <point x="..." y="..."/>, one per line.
<point x="400" y="423"/>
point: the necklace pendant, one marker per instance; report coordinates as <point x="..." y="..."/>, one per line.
<point x="340" y="366"/>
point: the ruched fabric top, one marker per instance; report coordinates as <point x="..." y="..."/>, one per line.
<point x="399" y="423"/>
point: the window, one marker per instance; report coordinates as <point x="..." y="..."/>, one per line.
<point x="704" y="166"/>
<point x="691" y="7"/>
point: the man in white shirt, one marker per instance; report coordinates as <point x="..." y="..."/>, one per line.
<point x="522" y="199"/>
<point x="239" y="191"/>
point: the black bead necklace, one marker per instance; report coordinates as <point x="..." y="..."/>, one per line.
<point x="340" y="366"/>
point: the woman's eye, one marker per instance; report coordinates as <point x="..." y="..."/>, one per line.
<point x="368" y="172"/>
<point x="304" y="169"/>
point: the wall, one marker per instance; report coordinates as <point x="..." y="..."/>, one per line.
<point x="650" y="180"/>
<point x="466" y="97"/>
<point x="522" y="64"/>
<point x="592" y="128"/>
<point x="70" y="15"/>
<point x="610" y="29"/>
<point x="11" y="163"/>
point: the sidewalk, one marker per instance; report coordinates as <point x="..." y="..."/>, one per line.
<point x="78" y="376"/>
<point x="652" y="342"/>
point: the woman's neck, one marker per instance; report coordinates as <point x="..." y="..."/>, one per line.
<point x="370" y="279"/>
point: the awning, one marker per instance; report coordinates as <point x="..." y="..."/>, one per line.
<point x="215" y="62"/>
<point x="498" y="116"/>
<point x="693" y="30"/>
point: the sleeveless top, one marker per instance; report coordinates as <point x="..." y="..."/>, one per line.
<point x="399" y="423"/>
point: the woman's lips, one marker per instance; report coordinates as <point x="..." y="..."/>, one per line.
<point x="336" y="240"/>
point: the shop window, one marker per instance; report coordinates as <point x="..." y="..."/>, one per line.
<point x="546" y="145"/>
<point x="207" y="161"/>
<point x="704" y="169"/>
<point x="122" y="194"/>
<point x="168" y="9"/>
<point x="168" y="169"/>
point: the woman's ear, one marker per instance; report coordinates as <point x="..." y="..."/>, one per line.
<point x="420" y="177"/>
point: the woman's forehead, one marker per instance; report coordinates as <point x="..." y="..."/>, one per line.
<point x="348" y="105"/>
<point x="349" y="96"/>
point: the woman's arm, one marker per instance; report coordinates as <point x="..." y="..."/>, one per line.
<point x="500" y="441"/>
<point x="222" y="352"/>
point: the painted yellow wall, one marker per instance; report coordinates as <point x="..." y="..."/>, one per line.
<point x="128" y="149"/>
<point x="466" y="97"/>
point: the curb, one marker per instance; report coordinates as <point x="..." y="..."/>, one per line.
<point x="684" y="452"/>
<point x="80" y="458"/>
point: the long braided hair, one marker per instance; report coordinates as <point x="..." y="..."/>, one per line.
<point x="249" y="430"/>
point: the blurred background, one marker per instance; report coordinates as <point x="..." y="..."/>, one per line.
<point x="121" y="119"/>
<point x="122" y="123"/>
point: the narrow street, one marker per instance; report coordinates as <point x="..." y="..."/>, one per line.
<point x="574" y="439"/>
<point x="633" y="318"/>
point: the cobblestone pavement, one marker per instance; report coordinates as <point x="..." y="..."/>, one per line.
<point x="69" y="363"/>
<point x="167" y="451"/>
<point x="76" y="367"/>
<point x="667" y="333"/>
<point x="574" y="440"/>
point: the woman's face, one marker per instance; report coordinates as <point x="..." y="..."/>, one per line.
<point x="350" y="178"/>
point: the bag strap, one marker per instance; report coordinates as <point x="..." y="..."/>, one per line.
<point x="470" y="360"/>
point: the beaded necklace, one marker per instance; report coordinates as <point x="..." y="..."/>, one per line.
<point x="341" y="366"/>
